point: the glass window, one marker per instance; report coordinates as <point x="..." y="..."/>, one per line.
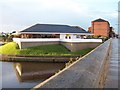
<point x="66" y="37"/>
<point x="69" y="37"/>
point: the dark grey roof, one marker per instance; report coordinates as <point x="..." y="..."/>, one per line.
<point x="100" y="20"/>
<point x="54" y="28"/>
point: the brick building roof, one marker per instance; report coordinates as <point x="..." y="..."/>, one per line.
<point x="100" y="20"/>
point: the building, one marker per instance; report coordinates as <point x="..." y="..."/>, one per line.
<point x="71" y="37"/>
<point x="112" y="33"/>
<point x="100" y="27"/>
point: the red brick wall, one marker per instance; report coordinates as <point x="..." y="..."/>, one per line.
<point x="100" y="28"/>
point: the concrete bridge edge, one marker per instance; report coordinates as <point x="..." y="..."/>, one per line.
<point x="101" y="75"/>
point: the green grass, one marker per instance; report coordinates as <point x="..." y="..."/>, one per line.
<point x="45" y="50"/>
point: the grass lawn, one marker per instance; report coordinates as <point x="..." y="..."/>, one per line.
<point x="45" y="50"/>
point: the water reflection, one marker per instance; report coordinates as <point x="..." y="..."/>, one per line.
<point x="27" y="74"/>
<point x="36" y="71"/>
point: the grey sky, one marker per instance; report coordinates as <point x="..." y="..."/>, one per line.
<point x="20" y="14"/>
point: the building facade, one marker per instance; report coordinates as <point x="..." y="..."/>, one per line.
<point x="73" y="38"/>
<point x="100" y="27"/>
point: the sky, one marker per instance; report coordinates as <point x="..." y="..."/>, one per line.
<point x="16" y="15"/>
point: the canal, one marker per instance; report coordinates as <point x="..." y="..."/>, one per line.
<point x="27" y="74"/>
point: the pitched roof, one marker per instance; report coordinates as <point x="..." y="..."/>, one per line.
<point x="100" y="20"/>
<point x="54" y="28"/>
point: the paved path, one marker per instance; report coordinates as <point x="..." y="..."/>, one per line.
<point x="112" y="77"/>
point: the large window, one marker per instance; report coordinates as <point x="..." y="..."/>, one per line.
<point x="81" y="36"/>
<point x="40" y="36"/>
<point x="68" y="36"/>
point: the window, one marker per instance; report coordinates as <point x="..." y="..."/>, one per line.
<point x="69" y="37"/>
<point x="78" y="36"/>
<point x="66" y="37"/>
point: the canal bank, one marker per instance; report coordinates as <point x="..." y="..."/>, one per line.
<point x="45" y="53"/>
<point x="21" y="58"/>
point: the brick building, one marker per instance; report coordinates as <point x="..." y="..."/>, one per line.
<point x="100" y="27"/>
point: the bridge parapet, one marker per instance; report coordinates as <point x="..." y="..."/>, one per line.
<point x="87" y="72"/>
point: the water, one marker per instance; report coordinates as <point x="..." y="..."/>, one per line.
<point x="27" y="74"/>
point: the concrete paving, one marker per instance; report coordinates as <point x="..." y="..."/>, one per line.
<point x="113" y="73"/>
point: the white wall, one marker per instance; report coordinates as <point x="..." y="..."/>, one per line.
<point x="63" y="36"/>
<point x="19" y="40"/>
<point x="73" y="36"/>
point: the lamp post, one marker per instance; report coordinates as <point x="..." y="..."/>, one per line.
<point x="119" y="19"/>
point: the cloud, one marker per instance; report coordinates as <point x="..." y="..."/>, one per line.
<point x="24" y="13"/>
